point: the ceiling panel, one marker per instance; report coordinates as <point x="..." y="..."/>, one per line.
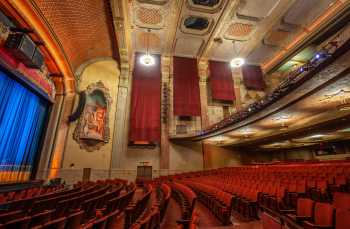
<point x="256" y="8"/>
<point x="261" y="54"/>
<point x="226" y="50"/>
<point x="303" y="12"/>
<point x="188" y="46"/>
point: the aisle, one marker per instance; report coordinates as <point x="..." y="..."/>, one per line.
<point x="206" y="218"/>
<point x="172" y="214"/>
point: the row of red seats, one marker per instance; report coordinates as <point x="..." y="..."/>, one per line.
<point x="186" y="198"/>
<point x="150" y="220"/>
<point x="75" y="208"/>
<point x="150" y="217"/>
<point x="163" y="196"/>
<point x="136" y="208"/>
<point x="28" y="193"/>
<point x="218" y="201"/>
<point x="273" y="186"/>
<point x="313" y="214"/>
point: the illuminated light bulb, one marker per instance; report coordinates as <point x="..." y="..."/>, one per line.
<point x="147" y="60"/>
<point x="237" y="62"/>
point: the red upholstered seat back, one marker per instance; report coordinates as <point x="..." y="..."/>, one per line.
<point x="341" y="200"/>
<point x="342" y="219"/>
<point x="270" y="222"/>
<point x="324" y="214"/>
<point x="305" y="207"/>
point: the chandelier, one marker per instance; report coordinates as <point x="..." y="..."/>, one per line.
<point x="147" y="59"/>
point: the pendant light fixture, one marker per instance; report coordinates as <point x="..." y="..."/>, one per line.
<point x="147" y="59"/>
<point x="236" y="62"/>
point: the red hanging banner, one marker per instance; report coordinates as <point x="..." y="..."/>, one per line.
<point x="145" y="101"/>
<point x="221" y="81"/>
<point x="186" y="87"/>
<point x="253" y="77"/>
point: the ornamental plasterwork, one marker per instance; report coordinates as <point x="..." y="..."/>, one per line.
<point x="92" y="130"/>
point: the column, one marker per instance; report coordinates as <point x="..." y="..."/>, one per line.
<point x="203" y="82"/>
<point x="121" y="124"/>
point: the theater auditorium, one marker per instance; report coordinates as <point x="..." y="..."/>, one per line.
<point x="174" y="114"/>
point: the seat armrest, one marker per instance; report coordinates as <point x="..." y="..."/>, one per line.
<point x="300" y="219"/>
<point x="310" y="225"/>
<point x="183" y="221"/>
<point x="287" y="211"/>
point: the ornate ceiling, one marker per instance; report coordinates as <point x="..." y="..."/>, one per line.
<point x="259" y="30"/>
<point x="84" y="29"/>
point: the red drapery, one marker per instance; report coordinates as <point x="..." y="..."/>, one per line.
<point x="145" y="104"/>
<point x="221" y="81"/>
<point x="253" y="77"/>
<point x="186" y="87"/>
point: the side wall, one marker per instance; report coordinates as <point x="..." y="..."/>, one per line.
<point x="75" y="158"/>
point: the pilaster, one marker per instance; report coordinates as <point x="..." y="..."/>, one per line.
<point x="165" y="115"/>
<point x="203" y="82"/>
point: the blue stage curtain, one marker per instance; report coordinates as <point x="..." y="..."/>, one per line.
<point x="22" y="119"/>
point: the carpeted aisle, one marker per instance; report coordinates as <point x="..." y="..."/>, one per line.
<point x="172" y="214"/>
<point x="206" y="218"/>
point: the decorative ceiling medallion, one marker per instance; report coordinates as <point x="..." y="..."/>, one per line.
<point x="239" y="31"/>
<point x="206" y="6"/>
<point x="196" y="25"/>
<point x="154" y="2"/>
<point x="150" y="16"/>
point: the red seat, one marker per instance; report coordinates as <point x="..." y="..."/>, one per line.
<point x="304" y="209"/>
<point x="341" y="200"/>
<point x="323" y="216"/>
<point x="22" y="223"/>
<point x="74" y="220"/>
<point x="342" y="219"/>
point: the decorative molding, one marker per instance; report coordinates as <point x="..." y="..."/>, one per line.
<point x="78" y="135"/>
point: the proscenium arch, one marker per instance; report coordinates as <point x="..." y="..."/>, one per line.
<point x="28" y="16"/>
